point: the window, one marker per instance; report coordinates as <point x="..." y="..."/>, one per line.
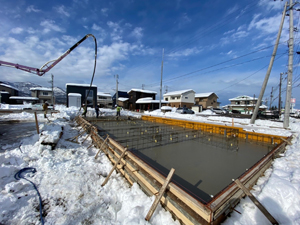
<point x="247" y="102"/>
<point x="237" y="103"/>
<point x="90" y="94"/>
<point x="172" y="98"/>
<point x="186" y="97"/>
<point x="166" y="99"/>
<point x="45" y="93"/>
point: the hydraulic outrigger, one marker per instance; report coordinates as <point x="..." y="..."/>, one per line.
<point x="48" y="65"/>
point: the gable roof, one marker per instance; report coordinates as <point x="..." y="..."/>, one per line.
<point x="178" y="92"/>
<point x="8" y="86"/>
<point x="143" y="91"/>
<point x="242" y="97"/>
<point x="40" y="89"/>
<point x="205" y="95"/>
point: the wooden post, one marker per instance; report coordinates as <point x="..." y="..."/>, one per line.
<point x="160" y="194"/>
<point x="232" y="122"/>
<point x="256" y="202"/>
<point x="36" y="123"/>
<point x="114" y="167"/>
<point x="101" y="146"/>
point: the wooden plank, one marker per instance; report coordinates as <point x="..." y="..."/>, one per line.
<point x="114" y="167"/>
<point x="160" y="194"/>
<point x="290" y="143"/>
<point x="101" y="146"/>
<point x="36" y="123"/>
<point x="256" y="202"/>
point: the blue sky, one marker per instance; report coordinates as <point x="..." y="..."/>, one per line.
<point x="209" y="46"/>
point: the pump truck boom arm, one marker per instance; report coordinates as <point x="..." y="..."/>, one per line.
<point x="48" y="65"/>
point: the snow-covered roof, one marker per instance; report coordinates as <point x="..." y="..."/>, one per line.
<point x="79" y="85"/>
<point x="8" y="86"/>
<point x="143" y="91"/>
<point x="4" y="92"/>
<point x="40" y="89"/>
<point x="74" y="94"/>
<point x="103" y="94"/>
<point x="149" y="100"/>
<point x="243" y="105"/>
<point x="178" y="92"/>
<point x="242" y="97"/>
<point x="205" y="95"/>
<point x="122" y="99"/>
<point x="23" y="98"/>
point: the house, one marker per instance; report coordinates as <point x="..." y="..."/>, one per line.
<point x="19" y="100"/>
<point x="244" y="104"/>
<point x="148" y="103"/>
<point x="123" y="102"/>
<point x="43" y="94"/>
<point x="121" y="94"/>
<point x="135" y="94"/>
<point x="7" y="91"/>
<point x="88" y="93"/>
<point x="207" y="100"/>
<point x="104" y="99"/>
<point x="183" y="98"/>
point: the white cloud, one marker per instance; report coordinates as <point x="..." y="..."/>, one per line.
<point x="17" y="30"/>
<point x="184" y="19"/>
<point x="185" y="52"/>
<point x="50" y="25"/>
<point x="104" y="11"/>
<point x="266" y="25"/>
<point x="31" y="8"/>
<point x="228" y="53"/>
<point x="137" y="33"/>
<point x="117" y="31"/>
<point x="61" y="10"/>
<point x="270" y="5"/>
<point x="232" y="10"/>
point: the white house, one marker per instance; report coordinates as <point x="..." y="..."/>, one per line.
<point x="183" y="98"/>
<point x="43" y="94"/>
<point x="104" y="99"/>
<point x="244" y="103"/>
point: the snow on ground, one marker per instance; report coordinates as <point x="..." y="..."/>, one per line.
<point x="69" y="178"/>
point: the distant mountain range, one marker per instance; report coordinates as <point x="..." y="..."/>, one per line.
<point x="24" y="90"/>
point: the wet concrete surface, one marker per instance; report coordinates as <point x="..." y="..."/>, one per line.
<point x="204" y="165"/>
<point x="12" y="133"/>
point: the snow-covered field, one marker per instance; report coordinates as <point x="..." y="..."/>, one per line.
<point x="69" y="178"/>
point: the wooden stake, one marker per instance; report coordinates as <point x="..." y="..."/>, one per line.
<point x="232" y="122"/>
<point x="256" y="202"/>
<point x="101" y="146"/>
<point x="36" y="123"/>
<point x="158" y="197"/>
<point x="115" y="166"/>
<point x="85" y="138"/>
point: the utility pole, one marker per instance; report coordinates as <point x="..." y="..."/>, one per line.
<point x="271" y="97"/>
<point x="161" y="76"/>
<point x="279" y="97"/>
<point x="117" y="91"/>
<point x="290" y="71"/>
<point x="269" y="68"/>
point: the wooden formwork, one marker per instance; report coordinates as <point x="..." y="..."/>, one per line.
<point x="184" y="207"/>
<point x="227" y="131"/>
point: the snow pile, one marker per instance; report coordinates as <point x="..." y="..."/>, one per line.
<point x="69" y="180"/>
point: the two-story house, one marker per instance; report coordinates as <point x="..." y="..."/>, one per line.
<point x="183" y="98"/>
<point x="244" y="104"/>
<point x="43" y="94"/>
<point x="7" y="91"/>
<point x="207" y="100"/>
<point x="135" y="94"/>
<point x="104" y="99"/>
